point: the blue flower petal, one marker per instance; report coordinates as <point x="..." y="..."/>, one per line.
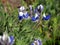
<point x="36" y="41"/>
<point x="37" y="18"/>
<point x="40" y="43"/>
<point x="33" y="18"/>
<point x="20" y="17"/>
<point x="12" y="39"/>
<point x="47" y="17"/>
<point x="26" y="16"/>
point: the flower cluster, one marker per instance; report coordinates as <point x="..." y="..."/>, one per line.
<point x="5" y="39"/>
<point x="37" y="42"/>
<point x="23" y="14"/>
<point x="34" y="14"/>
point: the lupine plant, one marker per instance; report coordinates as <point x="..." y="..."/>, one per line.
<point x="42" y="25"/>
<point x="37" y="42"/>
<point x="6" y="40"/>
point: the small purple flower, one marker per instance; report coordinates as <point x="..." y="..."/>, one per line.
<point x="6" y="39"/>
<point x="46" y="17"/>
<point x="37" y="42"/>
<point x="35" y="18"/>
<point x="26" y="15"/>
<point x="20" y="16"/>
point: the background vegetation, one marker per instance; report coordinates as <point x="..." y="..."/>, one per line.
<point x="25" y="31"/>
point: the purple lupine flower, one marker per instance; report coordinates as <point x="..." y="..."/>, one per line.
<point x="20" y="16"/>
<point x="46" y="17"/>
<point x="35" y="18"/>
<point x="6" y="39"/>
<point x="26" y="14"/>
<point x="37" y="42"/>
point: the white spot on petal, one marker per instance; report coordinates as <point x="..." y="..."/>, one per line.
<point x="5" y="36"/>
<point x="0" y="37"/>
<point x="44" y="15"/>
<point x="20" y="13"/>
<point x="38" y="7"/>
<point x="41" y="6"/>
<point x="36" y="15"/>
